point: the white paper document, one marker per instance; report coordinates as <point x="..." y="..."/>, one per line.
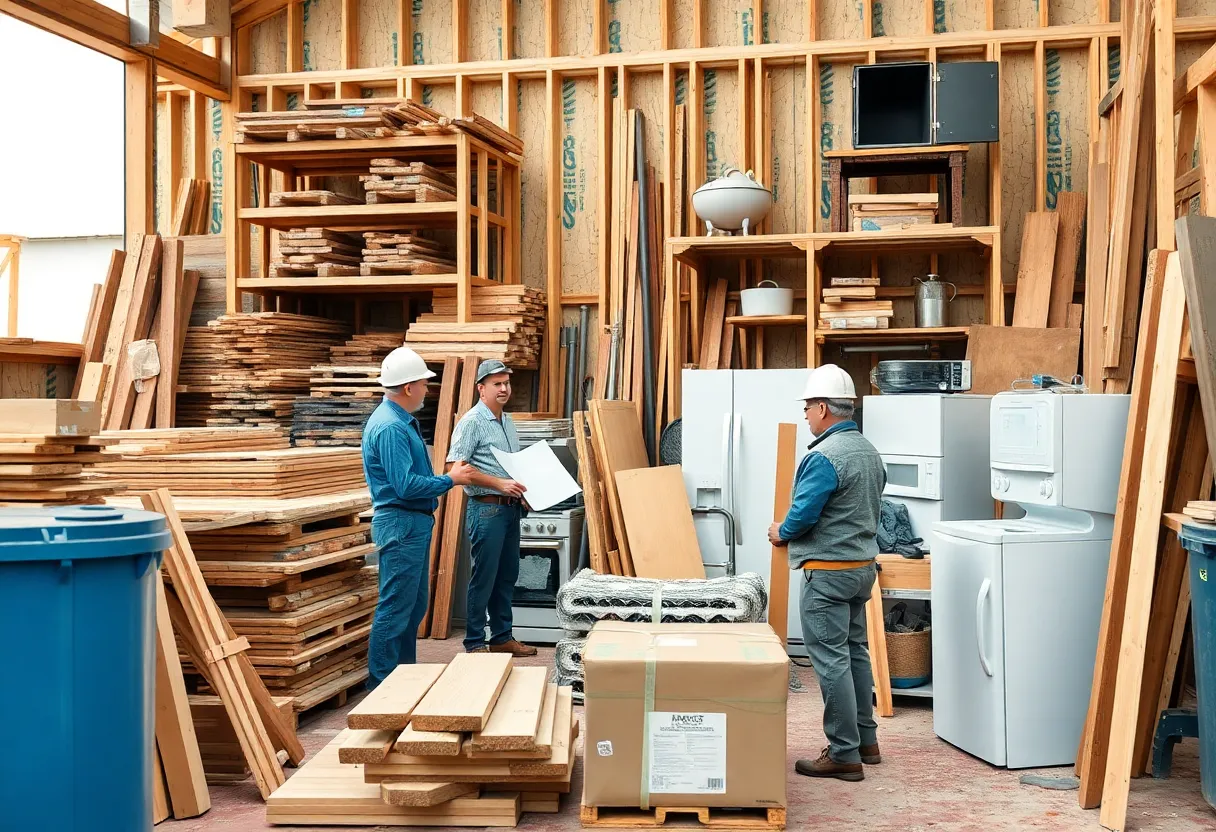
<point x="541" y="472"/>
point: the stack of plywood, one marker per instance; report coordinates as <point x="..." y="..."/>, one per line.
<point x="395" y="180"/>
<point x="314" y="252"/>
<point x="48" y="451"/>
<point x="248" y="369"/>
<point x="368" y="348"/>
<point x="883" y="212"/>
<point x="404" y="252"/>
<point x="300" y="125"/>
<point x="508" y="322"/>
<point x="473" y="743"/>
<point x="412" y="118"/>
<point x="134" y="443"/>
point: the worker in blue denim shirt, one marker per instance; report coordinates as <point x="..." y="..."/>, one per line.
<point x="405" y="493"/>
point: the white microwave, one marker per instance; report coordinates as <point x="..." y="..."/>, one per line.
<point x="913" y="476"/>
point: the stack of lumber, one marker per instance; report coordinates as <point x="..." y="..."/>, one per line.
<point x="410" y="117"/>
<point x="277" y="473"/>
<point x="136" y="328"/>
<point x="48" y="452"/>
<point x="507" y="324"/>
<point x="314" y="252"/>
<point x="135" y="443"/>
<point x="404" y="252"/>
<point x="473" y="743"/>
<point x="192" y="211"/>
<point x="883" y="212"/>
<point x="366" y="348"/>
<point x="837" y="312"/>
<point x="352" y="122"/>
<point x="248" y="369"/>
<point x="218" y="744"/>
<point x="394" y="180"/>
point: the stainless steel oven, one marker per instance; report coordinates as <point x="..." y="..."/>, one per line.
<point x="548" y="556"/>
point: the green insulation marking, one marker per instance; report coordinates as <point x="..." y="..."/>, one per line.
<point x="1113" y="63"/>
<point x="764" y="29"/>
<point x="428" y="95"/>
<point x="614" y="28"/>
<point x="825" y="139"/>
<point x="681" y="89"/>
<point x="1059" y="174"/>
<point x="501" y="54"/>
<point x="307" y="56"/>
<point x="52" y="389"/>
<point x="307" y="51"/>
<point x="749" y="26"/>
<point x="939" y="16"/>
<point x="712" y="164"/>
<point x="293" y="101"/>
<point x="573" y="179"/>
<point x="217" y="171"/>
<point x="395" y="47"/>
<point x="416" y="14"/>
<point x="877" y="26"/>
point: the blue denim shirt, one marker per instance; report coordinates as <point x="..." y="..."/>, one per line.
<point x="396" y="464"/>
<point x="813" y="484"/>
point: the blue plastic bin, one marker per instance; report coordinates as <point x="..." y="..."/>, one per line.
<point x="1200" y="541"/>
<point x="77" y="667"/>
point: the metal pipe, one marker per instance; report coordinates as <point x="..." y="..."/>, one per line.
<point x="730" y="536"/>
<point x="613" y="361"/>
<point x="584" y="321"/>
<point x="644" y="257"/>
<point x="570" y="335"/>
<point x="886" y="348"/>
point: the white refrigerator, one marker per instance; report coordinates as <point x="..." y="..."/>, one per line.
<point x="729" y="458"/>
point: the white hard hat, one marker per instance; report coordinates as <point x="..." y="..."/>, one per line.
<point x="401" y="366"/>
<point x="829" y="382"/>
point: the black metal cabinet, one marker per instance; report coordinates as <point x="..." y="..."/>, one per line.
<point x="918" y="104"/>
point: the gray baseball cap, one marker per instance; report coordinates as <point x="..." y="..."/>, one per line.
<point x="490" y="367"/>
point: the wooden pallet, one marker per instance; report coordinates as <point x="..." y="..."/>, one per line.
<point x="708" y="816"/>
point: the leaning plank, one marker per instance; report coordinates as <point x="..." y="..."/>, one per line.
<point x="445" y="422"/>
<point x="619" y="447"/>
<point x="208" y="628"/>
<point x="1197" y="258"/>
<point x="160" y="795"/>
<point x="171" y="291"/>
<point x="589" y="479"/>
<point x="93" y="381"/>
<point x="1143" y="561"/>
<point x="424" y="794"/>
<point x="428" y="743"/>
<point x="1035" y="264"/>
<point x="1091" y="761"/>
<point x="366" y="746"/>
<point x="779" y="567"/>
<point x="1070" y="206"/>
<point x="114" y="340"/>
<point x="875" y="632"/>
<point x="515" y="720"/>
<point x="464" y="696"/>
<point x="175" y="739"/>
<point x="121" y="392"/>
<point x="389" y="706"/>
<point x="662" y="539"/>
<point x="1097" y="241"/>
<point x="97" y="328"/>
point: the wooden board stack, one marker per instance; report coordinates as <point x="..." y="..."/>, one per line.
<point x="410" y="117"/>
<point x="48" y="454"/>
<point x="314" y="252"/>
<point x="191" y="214"/>
<point x="881" y="212"/>
<point x="219" y="746"/>
<point x="474" y="743"/>
<point x="404" y="252"/>
<point x="395" y="180"/>
<point x="850" y="311"/>
<point x="248" y="369"/>
<point x="507" y="323"/>
<point x="353" y="122"/>
<point x="135" y="443"/>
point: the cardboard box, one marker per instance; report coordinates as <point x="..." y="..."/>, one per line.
<point x="693" y="714"/>
<point x="50" y="417"/>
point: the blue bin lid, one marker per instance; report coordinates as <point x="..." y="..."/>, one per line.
<point x="76" y="532"/>
<point x="1199" y="539"/>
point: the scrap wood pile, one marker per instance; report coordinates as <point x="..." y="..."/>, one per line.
<point x="135" y="332"/>
<point x="49" y="450"/>
<point x="319" y="252"/>
<point x="248" y="369"/>
<point x="473" y="743"/>
<point x="507" y="323"/>
<point x="395" y="180"/>
<point x="187" y="619"/>
<point x="346" y="391"/>
<point x="405" y="251"/>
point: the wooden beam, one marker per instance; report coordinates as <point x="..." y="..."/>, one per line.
<point x="551" y="23"/>
<point x="779" y="568"/>
<point x="553" y="227"/>
<point x="507" y="43"/>
<point x="200" y="166"/>
<point x="1040" y="122"/>
<point x="405" y="33"/>
<point x="350" y="34"/>
<point x="13" y="261"/>
<point x="140" y="103"/>
<point x="1163" y="77"/>
<point x="460" y="30"/>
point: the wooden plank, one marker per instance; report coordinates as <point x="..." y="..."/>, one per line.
<point x="658" y="522"/>
<point x="369" y="746"/>
<point x="61" y="419"/>
<point x="515" y="720"/>
<point x="1172" y="663"/>
<point x="390" y="705"/>
<point x="93" y="381"/>
<point x="121" y="392"/>
<point x="97" y="327"/>
<point x="175" y="738"/>
<point x="453" y="517"/>
<point x="779" y="567"/>
<point x="424" y="794"/>
<point x="429" y="743"/>
<point x="1096" y="250"/>
<point x="711" y="331"/>
<point x="1030" y="305"/>
<point x="1196" y="253"/>
<point x="464" y="695"/>
<point x="589" y="479"/>
<point x="160" y="795"/>
<point x="619" y="447"/>
<point x="1000" y="355"/>
<point x="877" y="637"/>
<point x="171" y="287"/>
<point x="1143" y="558"/>
<point x="445" y="423"/>
<point x="1070" y="206"/>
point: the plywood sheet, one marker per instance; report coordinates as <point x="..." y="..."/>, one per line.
<point x="633" y="25"/>
<point x="322" y="34"/>
<point x="580" y="187"/>
<point x="377" y="42"/>
<point x="1067" y="126"/>
<point x="1035" y="265"/>
<point x="619" y="447"/>
<point x="464" y="696"/>
<point x="1016" y="14"/>
<point x="840" y="20"/>
<point x="1000" y="355"/>
<point x="658" y="520"/>
<point x="898" y="18"/>
<point x="530" y="100"/>
<point x="515" y="720"/>
<point x="390" y="705"/>
<point x="1071" y="208"/>
<point x="432" y="31"/>
<point x="1017" y="155"/>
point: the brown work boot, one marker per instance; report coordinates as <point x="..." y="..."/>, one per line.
<point x="515" y="648"/>
<point x="825" y="766"/>
<point x="481" y="649"/>
<point x="870" y="754"/>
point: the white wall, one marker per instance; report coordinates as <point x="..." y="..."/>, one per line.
<point x="56" y="282"/>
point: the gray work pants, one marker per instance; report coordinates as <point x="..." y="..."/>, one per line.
<point x="834" y="629"/>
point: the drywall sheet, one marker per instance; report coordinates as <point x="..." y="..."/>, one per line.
<point x="322" y="34"/>
<point x="574" y="27"/>
<point x="730" y="23"/>
<point x="898" y="18"/>
<point x="377" y="40"/>
<point x="1017" y="154"/>
<point x="633" y="25"/>
<point x="432" y="31"/>
<point x="532" y="120"/>
<point x="1016" y="14"/>
<point x="840" y="19"/>
<point x="580" y="191"/>
<point x="1071" y="12"/>
<point x="784" y="21"/>
<point x="268" y="45"/>
<point x="1067" y="123"/>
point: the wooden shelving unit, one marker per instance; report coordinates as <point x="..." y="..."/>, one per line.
<point x="484" y="216"/>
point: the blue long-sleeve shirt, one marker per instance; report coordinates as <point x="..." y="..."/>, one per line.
<point x="396" y="464"/>
<point x="815" y="481"/>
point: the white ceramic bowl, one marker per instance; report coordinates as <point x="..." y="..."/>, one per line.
<point x="726" y="202"/>
<point x="767" y="301"/>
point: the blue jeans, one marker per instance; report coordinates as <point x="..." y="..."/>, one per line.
<point x="404" y="540"/>
<point x="493" y="532"/>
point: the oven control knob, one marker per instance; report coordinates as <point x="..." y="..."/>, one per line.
<point x="551" y="528"/>
<point x="527" y="527"/>
<point x="1045" y="488"/>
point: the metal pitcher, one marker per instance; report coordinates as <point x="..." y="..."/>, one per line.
<point x="931" y="301"/>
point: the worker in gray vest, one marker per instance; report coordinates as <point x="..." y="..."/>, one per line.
<point x="492" y="516"/>
<point x="831" y="530"/>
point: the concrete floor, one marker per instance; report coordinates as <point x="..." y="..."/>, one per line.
<point x="922" y="784"/>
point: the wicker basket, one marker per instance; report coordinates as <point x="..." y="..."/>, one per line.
<point x="910" y="658"/>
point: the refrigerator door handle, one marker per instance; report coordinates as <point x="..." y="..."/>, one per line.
<point x="726" y="482"/>
<point x="980" y="598"/>
<point x="735" y="468"/>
